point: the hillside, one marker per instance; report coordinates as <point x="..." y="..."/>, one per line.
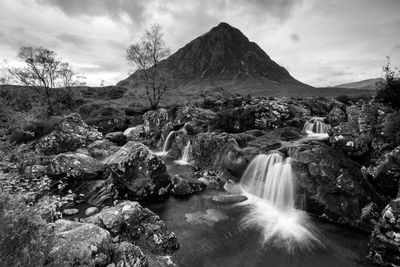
<point x="369" y="84"/>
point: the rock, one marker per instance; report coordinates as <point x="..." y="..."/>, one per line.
<point x="336" y="116"/>
<point x="127" y="254"/>
<point x="384" y="243"/>
<point x="105" y="118"/>
<point x="138" y="225"/>
<point x="386" y="174"/>
<point x="274" y="139"/>
<point x="333" y="184"/>
<point x="137" y="171"/>
<point x="268" y="114"/>
<point x="185" y="187"/>
<point x="369" y="216"/>
<point x="137" y="133"/>
<point x="90" y="211"/>
<point x="80" y="244"/>
<point x="155" y="120"/>
<point x="74" y="165"/>
<point x="70" y="212"/>
<point x="116" y="137"/>
<point x="229" y="198"/>
<point x="102" y="148"/>
<point x="198" y="117"/>
<point x="69" y="134"/>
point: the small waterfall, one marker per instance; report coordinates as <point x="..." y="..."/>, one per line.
<point x="269" y="184"/>
<point x="316" y="126"/>
<point x="269" y="177"/>
<point x="168" y="140"/>
<point x="185" y="154"/>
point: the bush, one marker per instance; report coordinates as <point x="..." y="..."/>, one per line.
<point x="352" y="99"/>
<point x="19" y="137"/>
<point x="25" y="239"/>
<point x="389" y="88"/>
<point x="42" y="127"/>
<point x="233" y="121"/>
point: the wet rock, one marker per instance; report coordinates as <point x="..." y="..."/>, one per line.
<point x="198" y="117"/>
<point x="229" y="198"/>
<point x="137" y="171"/>
<point x="384" y="243"/>
<point x="116" y="137"/>
<point x="274" y="139"/>
<point x="209" y="217"/>
<point x="268" y="114"/>
<point x="137" y="133"/>
<point x="70" y="212"/>
<point x="369" y="215"/>
<point x="137" y="225"/>
<point x="70" y="134"/>
<point x="102" y="148"/>
<point x="185" y="187"/>
<point x="333" y="184"/>
<point x="80" y="244"/>
<point x="127" y="254"/>
<point x="386" y="173"/>
<point x="74" y="165"/>
<point x="155" y="120"/>
<point x="90" y="211"/>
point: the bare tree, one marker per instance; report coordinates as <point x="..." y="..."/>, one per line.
<point x="43" y="71"/>
<point x="145" y="56"/>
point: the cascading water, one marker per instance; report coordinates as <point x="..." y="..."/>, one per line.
<point x="185" y="154"/>
<point x="269" y="177"/>
<point x="269" y="184"/>
<point x="168" y="140"/>
<point x="316" y="126"/>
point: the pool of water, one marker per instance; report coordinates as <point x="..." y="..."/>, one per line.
<point x="212" y="234"/>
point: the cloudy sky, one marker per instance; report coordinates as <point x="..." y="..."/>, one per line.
<point x="320" y="42"/>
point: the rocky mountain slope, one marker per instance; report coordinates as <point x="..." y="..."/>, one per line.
<point x="224" y="57"/>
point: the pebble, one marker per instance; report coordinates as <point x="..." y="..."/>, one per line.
<point x="70" y="212"/>
<point x="90" y="211"/>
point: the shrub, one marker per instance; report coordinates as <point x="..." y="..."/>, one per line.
<point x="25" y="239"/>
<point x="19" y="137"/>
<point x="389" y="88"/>
<point x="42" y="127"/>
<point x="352" y="99"/>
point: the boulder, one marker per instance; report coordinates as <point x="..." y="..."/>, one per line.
<point x="116" y="137"/>
<point x="336" y="116"/>
<point x="69" y="134"/>
<point x="136" y="133"/>
<point x="127" y="254"/>
<point x="185" y="187"/>
<point x="102" y="148"/>
<point x="136" y="171"/>
<point x="105" y="118"/>
<point x="268" y="114"/>
<point x="199" y="117"/>
<point x="90" y="211"/>
<point x="332" y="183"/>
<point x="155" y="120"/>
<point x="386" y="173"/>
<point x="384" y="242"/>
<point x="138" y="225"/>
<point x="74" y="165"/>
<point x="80" y="244"/>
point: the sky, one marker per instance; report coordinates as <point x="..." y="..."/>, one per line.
<point x="320" y="42"/>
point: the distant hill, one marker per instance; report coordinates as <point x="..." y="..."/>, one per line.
<point x="225" y="58"/>
<point x="369" y="84"/>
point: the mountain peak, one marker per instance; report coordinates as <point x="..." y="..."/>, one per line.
<point x="223" y="55"/>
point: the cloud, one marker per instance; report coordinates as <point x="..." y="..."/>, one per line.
<point x="115" y="9"/>
<point x="295" y="38"/>
<point x="72" y="38"/>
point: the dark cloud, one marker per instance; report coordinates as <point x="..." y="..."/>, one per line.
<point x="72" y="38"/>
<point x="295" y="37"/>
<point x="15" y="37"/>
<point x="115" y="9"/>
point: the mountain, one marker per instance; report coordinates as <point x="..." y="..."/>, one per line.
<point x="225" y="58"/>
<point x="369" y="84"/>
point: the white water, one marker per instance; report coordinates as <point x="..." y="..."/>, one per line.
<point x="269" y="184"/>
<point x="316" y="127"/>
<point x="167" y="144"/>
<point x="185" y="155"/>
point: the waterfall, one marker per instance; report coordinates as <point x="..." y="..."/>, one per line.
<point x="168" y="140"/>
<point x="269" y="177"/>
<point x="269" y="184"/>
<point x="316" y="126"/>
<point x="185" y="154"/>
